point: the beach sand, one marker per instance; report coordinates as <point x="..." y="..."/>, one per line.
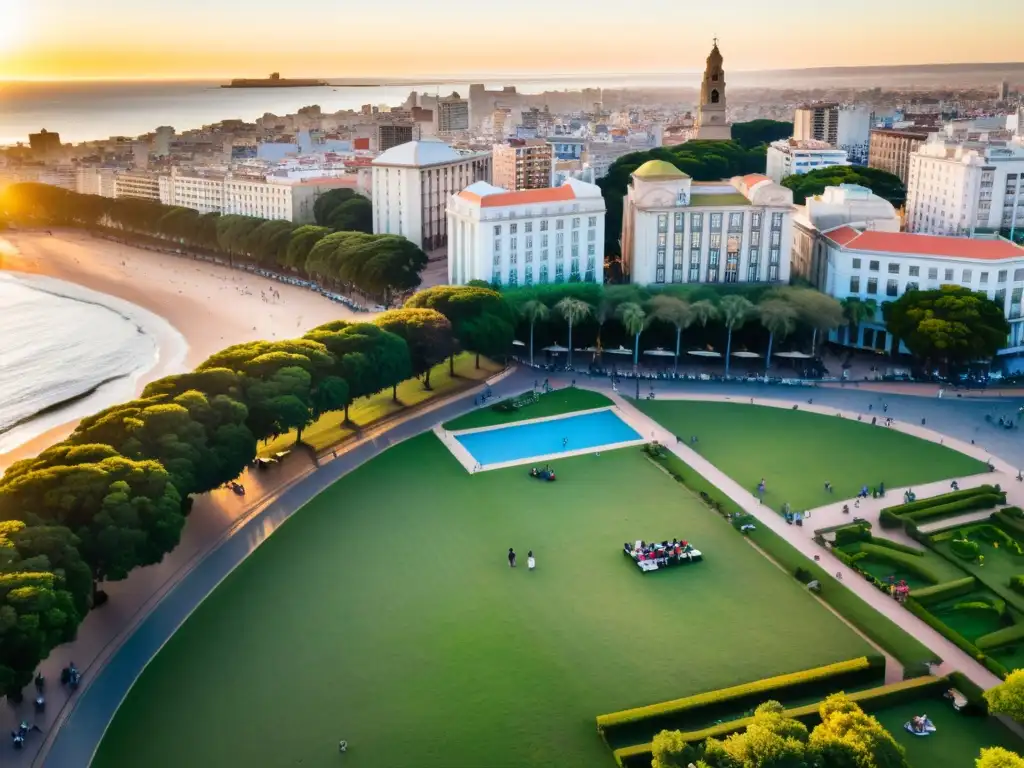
<point x="211" y="306"/>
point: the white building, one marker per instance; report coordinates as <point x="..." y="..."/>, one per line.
<point x="847" y="204"/>
<point x="139" y="185"/>
<point x="412" y="184"/>
<point x="90" y="180"/>
<point x="882" y="266"/>
<point x="958" y="188"/>
<point x="854" y="133"/>
<point x="676" y="230"/>
<point x="552" y="235"/>
<point x="790" y="157"/>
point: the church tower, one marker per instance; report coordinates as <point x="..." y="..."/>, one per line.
<point x="711" y="122"/>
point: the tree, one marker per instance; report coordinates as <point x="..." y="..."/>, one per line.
<point x="758" y="132"/>
<point x="427" y="332"/>
<point x="487" y="334"/>
<point x="735" y="310"/>
<point x="847" y="737"/>
<point x="703" y="311"/>
<point x="532" y="311"/>
<point x="328" y="202"/>
<point x="301" y="243"/>
<point x="857" y="311"/>
<point x="998" y="757"/>
<point x="677" y="313"/>
<point x="1007" y="698"/>
<point x="353" y="215"/>
<point x="671" y="750"/>
<point x="779" y="317"/>
<point x="815" y="309"/>
<point x="634" y="320"/>
<point x="572" y="310"/>
<point x="461" y="304"/>
<point x="772" y="740"/>
<point x="882" y="183"/>
<point x="951" y="324"/>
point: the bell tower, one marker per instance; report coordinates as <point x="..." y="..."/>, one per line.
<point x="711" y="121"/>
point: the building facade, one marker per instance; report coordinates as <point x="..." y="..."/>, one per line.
<point x="817" y="122"/>
<point x="138" y="185"/>
<point x="552" y="235"/>
<point x="890" y="149"/>
<point x="522" y="164"/>
<point x="44" y="142"/>
<point x="390" y="134"/>
<point x="412" y="184"/>
<point x="882" y="266"/>
<point x="854" y="134"/>
<point x="712" y="123"/>
<point x="452" y="115"/>
<point x="791" y="157"/>
<point x="959" y="188"/>
<point x="676" y="230"/>
<point x="90" y="180"/>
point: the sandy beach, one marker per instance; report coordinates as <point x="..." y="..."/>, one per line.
<point x="210" y="306"/>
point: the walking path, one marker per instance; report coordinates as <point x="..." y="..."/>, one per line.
<point x="955" y="522"/>
<point x="953" y="657"/>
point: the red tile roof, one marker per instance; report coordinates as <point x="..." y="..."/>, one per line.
<point x="842" y="235"/>
<point x="754" y="178"/>
<point x="931" y="245"/>
<point x="523" y="197"/>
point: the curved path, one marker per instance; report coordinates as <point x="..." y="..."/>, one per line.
<point x="80" y="723"/>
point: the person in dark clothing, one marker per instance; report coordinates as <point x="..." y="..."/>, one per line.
<point x="511" y="557"/>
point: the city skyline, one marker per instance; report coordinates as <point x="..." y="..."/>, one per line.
<point x="65" y="40"/>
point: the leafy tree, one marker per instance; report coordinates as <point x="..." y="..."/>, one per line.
<point x="386" y="353"/>
<point x="634" y="320"/>
<point x="42" y="548"/>
<point x="462" y="304"/>
<point x="817" y="310"/>
<point x="1007" y="698"/>
<point x="882" y="183"/>
<point x="951" y="324"/>
<point x="772" y="740"/>
<point x="572" y="310"/>
<point x="758" y="132"/>
<point x="301" y="243"/>
<point x="675" y="312"/>
<point x="671" y="750"/>
<point x="847" y="737"/>
<point x="735" y="311"/>
<point x="857" y="311"/>
<point x="778" y="317"/>
<point x="487" y="334"/>
<point x="427" y="332"/>
<point x="354" y="215"/>
<point x="532" y="311"/>
<point x="326" y="204"/>
<point x="998" y="757"/>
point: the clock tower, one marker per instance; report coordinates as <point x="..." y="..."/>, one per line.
<point x="711" y="121"/>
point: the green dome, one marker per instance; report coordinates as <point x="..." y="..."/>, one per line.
<point x="654" y="170"/>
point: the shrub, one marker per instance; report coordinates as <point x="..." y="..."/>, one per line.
<point x="944" y="590"/>
<point x="888" y="519"/>
<point x="803" y="575"/>
<point x="1013" y="525"/>
<point x="1005" y="636"/>
<point x="983" y="501"/>
<point x="965" y="549"/>
<point x="1015" y="512"/>
<point x="851" y="534"/>
<point x="941" y="499"/>
<point x="899" y="559"/>
<point x="890" y="544"/>
<point x="942" y="628"/>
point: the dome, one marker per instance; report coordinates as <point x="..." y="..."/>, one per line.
<point x="659" y="170"/>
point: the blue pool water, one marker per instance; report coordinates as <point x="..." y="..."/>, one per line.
<point x="514" y="442"/>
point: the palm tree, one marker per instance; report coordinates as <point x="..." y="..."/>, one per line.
<point x="634" y="319"/>
<point x="605" y="309"/>
<point x="703" y="311"/>
<point x="573" y="310"/>
<point x="856" y="311"/>
<point x="735" y="311"/>
<point x="532" y="311"/>
<point x="779" y="317"/>
<point x="675" y="311"/>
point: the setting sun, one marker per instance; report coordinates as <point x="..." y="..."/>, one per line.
<point x="12" y="24"/>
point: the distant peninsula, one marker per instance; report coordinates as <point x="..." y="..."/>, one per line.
<point x="275" y="81"/>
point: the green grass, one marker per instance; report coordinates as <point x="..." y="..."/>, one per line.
<point x="958" y="740"/>
<point x="928" y="564"/>
<point x="385" y="614"/>
<point x="330" y="428"/>
<point x="796" y="452"/>
<point x="970" y="624"/>
<point x="999" y="566"/>
<point x="550" y="404"/>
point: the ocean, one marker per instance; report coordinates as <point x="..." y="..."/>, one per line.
<point x="66" y="352"/>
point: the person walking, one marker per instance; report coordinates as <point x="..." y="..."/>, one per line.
<point x="511" y="558"/>
<point x="531" y="563"/>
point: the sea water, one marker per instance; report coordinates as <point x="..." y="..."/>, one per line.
<point x="65" y="351"/>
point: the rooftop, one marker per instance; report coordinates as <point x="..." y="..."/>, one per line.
<point x="659" y="170"/>
<point x="733" y="198"/>
<point x="414" y="154"/>
<point x="983" y="249"/>
<point x="489" y="196"/>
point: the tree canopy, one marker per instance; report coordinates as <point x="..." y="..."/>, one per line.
<point x="1007" y="698"/>
<point x="999" y="757"/>
<point x="762" y="131"/>
<point x="882" y="183"/>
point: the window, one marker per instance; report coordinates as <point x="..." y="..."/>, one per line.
<point x="590" y="270"/>
<point x="1001" y="277"/>
<point x="855" y="284"/>
<point x="1015" y="302"/>
<point x="528" y="227"/>
<point x="560" y="224"/>
<point x="677" y="222"/>
<point x="576" y="222"/>
<point x="512" y="228"/>
<point x="529" y="241"/>
<point x="732" y="267"/>
<point x="716" y="222"/>
<point x="735" y="222"/>
<point x="559" y="252"/>
<point x="948" y="274"/>
<point x="559" y="238"/>
<point x="575" y="236"/>
<point x="983" y="278"/>
<point x="966" y="277"/>
<point x="1018" y="275"/>
<point x="662" y="222"/>
<point x="590" y="250"/>
<point x="776" y="238"/>
<point x="591" y="235"/>
<point x="559" y="272"/>
<point x="776" y="221"/>
<point x="529" y="257"/>
<point x="856" y="263"/>
<point x="497" y="230"/>
<point x="528" y="276"/>
<point x="513" y="277"/>
<point x="1000" y="297"/>
<point x="755" y="220"/>
<point x="694" y="276"/>
<point x="497" y="259"/>
<point x="752" y="276"/>
<point x="892" y="287"/>
<point x="872" y="285"/>
<point x="912" y="286"/>
<point x="914" y="271"/>
<point x="592" y="221"/>
<point x="497" y="246"/>
<point x="544" y="271"/>
<point x="695" y="239"/>
<point x="716" y="240"/>
<point x="544" y="226"/>
<point x="873" y="266"/>
<point x="544" y="255"/>
<point x="696" y="220"/>
<point x="712" y="273"/>
<point x="894" y="268"/>
<point x="512" y="243"/>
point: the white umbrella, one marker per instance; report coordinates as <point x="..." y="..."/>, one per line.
<point x="793" y="355"/>
<point x="745" y="355"/>
<point x="704" y="353"/>
<point x="518" y="343"/>
<point x="556" y="348"/>
<point x="659" y="352"/>
<point x="590" y="349"/>
<point x="619" y="351"/>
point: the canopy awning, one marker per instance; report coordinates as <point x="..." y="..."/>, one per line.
<point x="745" y="355"/>
<point x="659" y="352"/>
<point x="704" y="353"/>
<point x="619" y="351"/>
<point x="556" y="348"/>
<point x="794" y="355"/>
<point x="518" y="343"/>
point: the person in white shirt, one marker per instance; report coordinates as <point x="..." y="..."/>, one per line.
<point x="531" y="563"/>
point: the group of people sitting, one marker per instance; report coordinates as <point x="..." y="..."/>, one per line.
<point x="543" y="474"/>
<point x="18" y="736"/>
<point x="664" y="553"/>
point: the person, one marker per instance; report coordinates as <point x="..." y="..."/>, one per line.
<point x="846" y="509"/>
<point x="955" y="485"/>
<point x="885" y="407"/>
<point x="511" y="558"/>
<point x="342" y="746"/>
<point x="565" y="442"/>
<point x="531" y="563"/>
<point x="828" y="486"/>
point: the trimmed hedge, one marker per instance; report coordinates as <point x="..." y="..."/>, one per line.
<point x="1011" y="524"/>
<point x="942" y="628"/>
<point x="1017" y="584"/>
<point x="756" y="691"/>
<point x="851" y="534"/>
<point x="982" y="501"/>
<point x="965" y="549"/>
<point x="895" y="545"/>
<point x="976" y="702"/>
<point x="889" y="519"/>
<point x="910" y="563"/>
<point x="1015" y="512"/>
<point x="941" y="499"/>
<point x="1001" y="637"/>
<point x="945" y="590"/>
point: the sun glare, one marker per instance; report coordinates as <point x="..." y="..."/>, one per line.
<point x="12" y="24"/>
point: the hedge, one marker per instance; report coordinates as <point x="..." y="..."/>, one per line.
<point x="911" y="563"/>
<point x="899" y="547"/>
<point x="977" y="704"/>
<point x="942" y="628"/>
<point x="941" y="499"/>
<point x="888" y="519"/>
<point x="994" y="667"/>
<point x="1015" y="512"/>
<point x="982" y="501"/>
<point x="1001" y="637"/>
<point x="965" y="549"/>
<point x="1005" y="519"/>
<point x="1017" y="584"/>
<point x="851" y="534"/>
<point x="946" y="589"/>
<point x="760" y="690"/>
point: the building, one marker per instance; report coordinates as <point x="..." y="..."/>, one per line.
<point x="522" y="164"/>
<point x="90" y="180"/>
<point x="854" y="134"/>
<point x="138" y="185"/>
<point x="958" y="188"/>
<point x="890" y="149"/>
<point x="563" y="170"/>
<point x="44" y="142"/>
<point x="817" y="122"/>
<point x="412" y="184"/>
<point x="482" y="104"/>
<point x="882" y="266"/>
<point x="845" y="205"/>
<point x="389" y="134"/>
<point x="452" y="114"/>
<point x="676" y="230"/>
<point x="567" y="147"/>
<point x="1003" y="91"/>
<point x="551" y="235"/>
<point x="790" y="157"/>
<point x="712" y="122"/>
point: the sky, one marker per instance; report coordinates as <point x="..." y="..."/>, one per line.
<point x="129" y="39"/>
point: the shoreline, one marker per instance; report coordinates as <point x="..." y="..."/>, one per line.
<point x="191" y="308"/>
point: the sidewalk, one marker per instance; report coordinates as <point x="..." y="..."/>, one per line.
<point x="954" y="658"/>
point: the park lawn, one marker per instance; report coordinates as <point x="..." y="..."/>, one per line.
<point x="330" y="428"/>
<point x="385" y="614"/>
<point x="552" y="403"/>
<point x="999" y="566"/>
<point x="796" y="452"/>
<point x="881" y="568"/>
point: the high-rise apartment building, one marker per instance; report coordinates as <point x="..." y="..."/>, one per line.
<point x="817" y="122"/>
<point x="392" y="134"/>
<point x="138" y="185"/>
<point x="452" y="114"/>
<point x="890" y="149"/>
<point x="791" y="157"/>
<point x="522" y="164"/>
<point x="44" y="142"/>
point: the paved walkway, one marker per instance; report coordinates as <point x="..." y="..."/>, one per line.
<point x="953" y="657"/>
<point x="955" y="522"/>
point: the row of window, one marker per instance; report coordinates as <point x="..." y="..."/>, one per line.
<point x="513" y="241"/>
<point x="559" y="224"/>
<point x="544" y="274"/>
<point x="712" y="272"/>
<point x="933" y="272"/>
<point x="892" y="289"/>
<point x="513" y="257"/>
